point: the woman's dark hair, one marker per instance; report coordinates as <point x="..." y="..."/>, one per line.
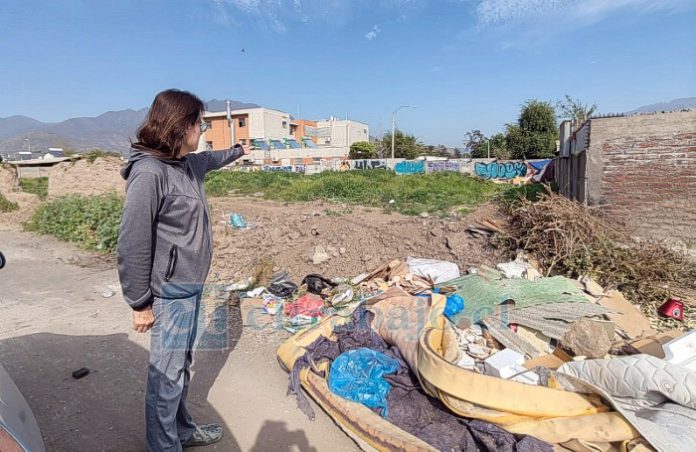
<point x="163" y="131"/>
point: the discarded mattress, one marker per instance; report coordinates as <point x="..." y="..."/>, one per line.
<point x="656" y="397"/>
<point x="550" y="414"/>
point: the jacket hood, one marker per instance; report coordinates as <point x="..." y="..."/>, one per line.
<point x="137" y="154"/>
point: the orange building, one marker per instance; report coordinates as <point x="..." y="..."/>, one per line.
<point x="304" y="128"/>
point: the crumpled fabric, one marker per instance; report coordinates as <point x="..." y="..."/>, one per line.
<point x="410" y="408"/>
<point x="358" y="375"/>
<point x="309" y="304"/>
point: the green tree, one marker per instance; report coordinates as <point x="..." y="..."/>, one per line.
<point x="535" y="134"/>
<point x="574" y="109"/>
<point x="475" y="143"/>
<point x="498" y="146"/>
<point x="405" y="146"/>
<point x="362" y="150"/>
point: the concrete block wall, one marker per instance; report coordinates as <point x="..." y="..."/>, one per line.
<point x="642" y="171"/>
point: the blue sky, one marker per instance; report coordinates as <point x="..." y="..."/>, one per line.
<point x="466" y="64"/>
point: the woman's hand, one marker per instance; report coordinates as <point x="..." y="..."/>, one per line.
<point x="247" y="151"/>
<point x="143" y="320"/>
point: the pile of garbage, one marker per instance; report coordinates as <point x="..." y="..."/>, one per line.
<point x="506" y="324"/>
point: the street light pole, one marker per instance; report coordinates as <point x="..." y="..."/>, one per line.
<point x="230" y="122"/>
<point x="394" y="126"/>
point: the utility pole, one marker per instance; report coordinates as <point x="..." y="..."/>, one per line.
<point x="394" y="126"/>
<point x="488" y="143"/>
<point x="230" y="122"/>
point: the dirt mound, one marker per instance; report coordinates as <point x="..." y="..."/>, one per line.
<point x="8" y="179"/>
<point x="342" y="240"/>
<point x="27" y="204"/>
<point x="83" y="177"/>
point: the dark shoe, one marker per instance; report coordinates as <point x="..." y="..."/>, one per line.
<point x="204" y="435"/>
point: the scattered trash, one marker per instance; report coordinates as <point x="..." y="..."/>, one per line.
<point x="455" y="305"/>
<point x="358" y="375"/>
<point x="80" y="373"/>
<point x="240" y="285"/>
<point x="256" y="293"/>
<point x="282" y="289"/>
<point x="108" y="293"/>
<point x="434" y="270"/>
<point x="672" y="308"/>
<point x="272" y="304"/>
<point x="316" y="284"/>
<point x="343" y="294"/>
<point x="309" y="305"/>
<point x="682" y="350"/>
<point x="631" y="323"/>
<point x="501" y="363"/>
<point x="237" y="221"/>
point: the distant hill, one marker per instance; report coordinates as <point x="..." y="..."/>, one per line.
<point x="111" y="131"/>
<point x="676" y="104"/>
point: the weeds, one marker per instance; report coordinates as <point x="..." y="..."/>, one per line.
<point x="92" y="222"/>
<point x="435" y="194"/>
<point x="6" y="205"/>
<point x="37" y="186"/>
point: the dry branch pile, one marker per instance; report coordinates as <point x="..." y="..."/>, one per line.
<point x="571" y="239"/>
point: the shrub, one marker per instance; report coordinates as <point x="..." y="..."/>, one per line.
<point x="92" y="222"/>
<point x="6" y="205"/>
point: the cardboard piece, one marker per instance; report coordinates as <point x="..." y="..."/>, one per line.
<point x="549" y="361"/>
<point x="653" y="345"/>
<point x="626" y="316"/>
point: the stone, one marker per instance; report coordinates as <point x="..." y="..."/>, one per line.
<point x="320" y="255"/>
<point x="478" y="352"/>
<point x="342" y="250"/>
<point x="586" y="338"/>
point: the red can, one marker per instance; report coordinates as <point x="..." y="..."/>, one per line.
<point x="672" y="308"/>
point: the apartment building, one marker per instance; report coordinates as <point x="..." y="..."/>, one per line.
<point x="249" y="124"/>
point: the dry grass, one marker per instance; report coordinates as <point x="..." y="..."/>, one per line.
<point x="571" y="239"/>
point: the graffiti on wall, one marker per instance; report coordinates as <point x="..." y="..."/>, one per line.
<point x="368" y="164"/>
<point x="409" y="167"/>
<point x="279" y="168"/>
<point x="500" y="170"/>
<point x="444" y="165"/>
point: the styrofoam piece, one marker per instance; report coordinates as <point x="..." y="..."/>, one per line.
<point x="523" y="375"/>
<point x="682" y="350"/>
<point x="466" y="362"/>
<point x="501" y="364"/>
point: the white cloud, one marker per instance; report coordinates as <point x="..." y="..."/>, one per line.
<point x="372" y="34"/>
<point x="499" y="12"/>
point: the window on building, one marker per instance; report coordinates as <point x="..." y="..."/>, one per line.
<point x="285" y="124"/>
<point x="243" y="141"/>
<point x="209" y="145"/>
<point x="298" y="161"/>
<point x="317" y="159"/>
<point x="242" y="122"/>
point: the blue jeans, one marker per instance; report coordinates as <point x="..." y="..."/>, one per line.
<point x="169" y="423"/>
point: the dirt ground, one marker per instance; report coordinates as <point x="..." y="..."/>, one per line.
<point x="354" y="239"/>
<point x="54" y="319"/>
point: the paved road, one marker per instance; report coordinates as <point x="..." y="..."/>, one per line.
<point x="54" y="319"/>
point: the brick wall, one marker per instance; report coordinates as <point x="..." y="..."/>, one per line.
<point x="642" y="171"/>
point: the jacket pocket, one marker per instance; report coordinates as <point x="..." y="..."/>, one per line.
<point x="171" y="266"/>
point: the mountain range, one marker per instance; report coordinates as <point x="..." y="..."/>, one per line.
<point x="113" y="130"/>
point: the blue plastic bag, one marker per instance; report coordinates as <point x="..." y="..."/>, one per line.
<point x="357" y="375"/>
<point x="237" y="221"/>
<point x="455" y="305"/>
